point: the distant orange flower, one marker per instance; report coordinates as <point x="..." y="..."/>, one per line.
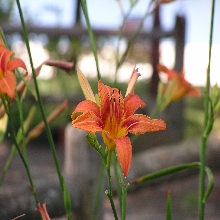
<point x="180" y="87"/>
<point x="7" y="77"/>
<point x="43" y="211"/>
<point x="114" y="118"/>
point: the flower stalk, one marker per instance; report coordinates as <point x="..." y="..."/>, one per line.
<point x="23" y="156"/>
<point x="66" y="195"/>
<point x="113" y="116"/>
<point x="204" y="139"/>
<point x="109" y="191"/>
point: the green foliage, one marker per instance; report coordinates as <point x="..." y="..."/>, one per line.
<point x="3" y="126"/>
<point x="61" y="86"/>
<point x="169" y="207"/>
<point x="5" y="10"/>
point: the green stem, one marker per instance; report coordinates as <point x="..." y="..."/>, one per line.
<point x="19" y="151"/>
<point x="124" y="203"/>
<point x="108" y="165"/>
<point x="65" y="192"/>
<point x="11" y="156"/>
<point x="109" y="191"/>
<point x="98" y="191"/>
<point x="204" y="139"/>
<point x="121" y="188"/>
<point x="124" y="196"/>
<point x="20" y="109"/>
<point x="155" y="112"/>
<point x="19" y="137"/>
<point x="91" y="36"/>
<point x="117" y="181"/>
<point x="202" y="177"/>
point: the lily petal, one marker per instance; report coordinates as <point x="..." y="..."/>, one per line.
<point x="89" y="122"/>
<point x="15" y="63"/>
<point x="194" y="92"/>
<point x="8" y="83"/>
<point x="104" y="93"/>
<point x="86" y="88"/>
<point x="7" y="77"/>
<point x="132" y="102"/>
<point x="6" y="54"/>
<point x="85" y="106"/>
<point x="124" y="153"/>
<point x="164" y="69"/>
<point x="133" y="79"/>
<point x="139" y="124"/>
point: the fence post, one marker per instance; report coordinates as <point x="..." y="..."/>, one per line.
<point x="155" y="55"/>
<point x="176" y="108"/>
<point x="81" y="168"/>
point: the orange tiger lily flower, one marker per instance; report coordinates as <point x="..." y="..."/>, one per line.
<point x="114" y="118"/>
<point x="7" y="77"/>
<point x="180" y="87"/>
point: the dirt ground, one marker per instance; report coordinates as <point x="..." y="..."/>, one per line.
<point x="148" y="203"/>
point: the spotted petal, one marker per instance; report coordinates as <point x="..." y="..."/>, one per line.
<point x="89" y="122"/>
<point x="131" y="103"/>
<point x="104" y="93"/>
<point x="85" y="106"/>
<point x="139" y="124"/>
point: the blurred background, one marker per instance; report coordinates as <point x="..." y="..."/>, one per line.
<point x="176" y="35"/>
<point x="108" y="16"/>
<point x="59" y="31"/>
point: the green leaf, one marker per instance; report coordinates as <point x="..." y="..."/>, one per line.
<point x="165" y="172"/>
<point x="179" y="168"/>
<point x="67" y="200"/>
<point x="210" y="183"/>
<point x="169" y="207"/>
<point x="215" y="95"/>
<point x="92" y="140"/>
<point x="13" y="151"/>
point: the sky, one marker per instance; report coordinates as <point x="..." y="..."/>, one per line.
<point x="107" y="14"/>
